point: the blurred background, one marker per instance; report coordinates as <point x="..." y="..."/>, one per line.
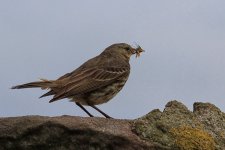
<point x="184" y="58"/>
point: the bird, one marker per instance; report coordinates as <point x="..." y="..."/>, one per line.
<point x="95" y="82"/>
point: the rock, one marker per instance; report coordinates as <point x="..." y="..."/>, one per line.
<point x="213" y="120"/>
<point x="174" y="128"/>
<point x="178" y="128"/>
<point x="68" y="132"/>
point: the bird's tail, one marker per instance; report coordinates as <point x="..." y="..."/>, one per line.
<point x="43" y="84"/>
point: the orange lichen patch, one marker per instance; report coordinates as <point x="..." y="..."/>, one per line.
<point x="188" y="138"/>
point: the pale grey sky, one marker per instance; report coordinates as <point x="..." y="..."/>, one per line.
<point x="184" y="59"/>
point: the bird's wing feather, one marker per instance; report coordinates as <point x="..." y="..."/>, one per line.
<point x="89" y="79"/>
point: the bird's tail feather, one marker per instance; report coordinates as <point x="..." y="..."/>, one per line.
<point x="43" y="84"/>
<point x="51" y="92"/>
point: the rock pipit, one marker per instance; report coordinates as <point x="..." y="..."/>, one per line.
<point x="95" y="82"/>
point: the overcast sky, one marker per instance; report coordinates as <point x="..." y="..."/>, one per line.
<point x="184" y="58"/>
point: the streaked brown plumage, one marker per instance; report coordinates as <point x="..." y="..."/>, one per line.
<point x="95" y="82"/>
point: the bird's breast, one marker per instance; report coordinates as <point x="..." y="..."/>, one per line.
<point x="102" y="94"/>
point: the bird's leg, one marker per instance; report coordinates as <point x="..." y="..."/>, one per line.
<point x="78" y="104"/>
<point x="104" y="114"/>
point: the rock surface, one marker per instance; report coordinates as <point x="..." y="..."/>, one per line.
<point x="68" y="132"/>
<point x="178" y="128"/>
<point x="174" y="128"/>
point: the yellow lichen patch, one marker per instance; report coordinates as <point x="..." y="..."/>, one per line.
<point x="188" y="138"/>
<point x="222" y="134"/>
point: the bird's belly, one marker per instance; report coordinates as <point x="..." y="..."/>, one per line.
<point x="101" y="95"/>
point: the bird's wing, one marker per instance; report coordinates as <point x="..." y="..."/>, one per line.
<point x="89" y="79"/>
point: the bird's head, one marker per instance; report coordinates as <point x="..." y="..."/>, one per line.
<point x="123" y="50"/>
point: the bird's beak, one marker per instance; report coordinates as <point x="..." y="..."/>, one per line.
<point x="133" y="50"/>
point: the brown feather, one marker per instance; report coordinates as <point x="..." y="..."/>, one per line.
<point x="44" y="84"/>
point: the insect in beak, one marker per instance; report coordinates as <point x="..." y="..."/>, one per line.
<point x="138" y="51"/>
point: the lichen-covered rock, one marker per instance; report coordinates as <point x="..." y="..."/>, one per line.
<point x="213" y="120"/>
<point x="178" y="128"/>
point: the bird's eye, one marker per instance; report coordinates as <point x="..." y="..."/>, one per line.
<point x="127" y="48"/>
